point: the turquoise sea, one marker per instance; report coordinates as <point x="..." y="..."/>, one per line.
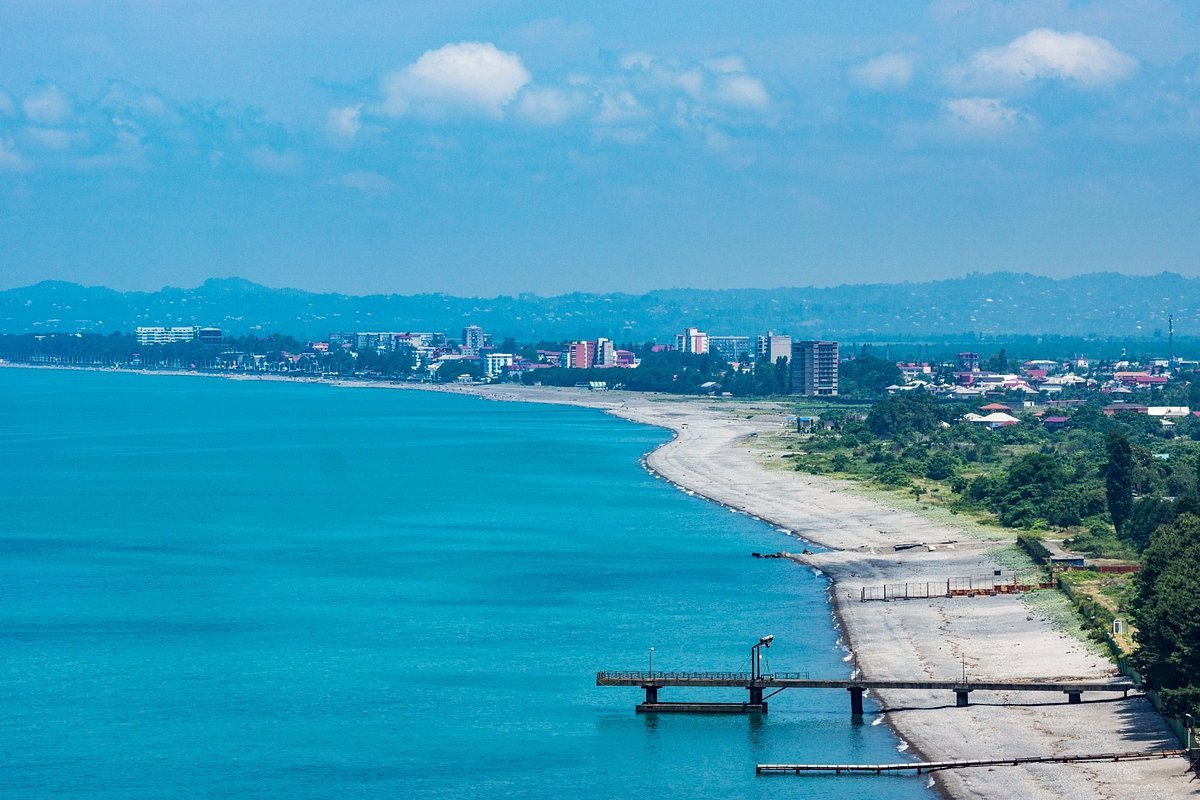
<point x="224" y="589"/>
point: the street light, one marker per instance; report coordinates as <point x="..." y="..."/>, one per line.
<point x="756" y="654"/>
<point x="651" y="662"/>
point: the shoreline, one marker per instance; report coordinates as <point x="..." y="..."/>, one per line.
<point x="991" y="638"/>
<point x="707" y="456"/>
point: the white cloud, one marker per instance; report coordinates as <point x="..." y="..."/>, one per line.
<point x="369" y="183"/>
<point x="11" y="160"/>
<point x="983" y="115"/>
<point x="741" y="92"/>
<point x="724" y="64"/>
<point x="343" y="124"/>
<point x="546" y="106"/>
<point x="54" y="138"/>
<point x="692" y="82"/>
<point x="274" y="161"/>
<point x="1046" y="54"/>
<point x="48" y="106"/>
<point x="142" y="105"/>
<point x="619" y="107"/>
<point x="888" y="71"/>
<point x="636" y="60"/>
<point x="469" y="77"/>
<point x="126" y="153"/>
<point x="719" y="83"/>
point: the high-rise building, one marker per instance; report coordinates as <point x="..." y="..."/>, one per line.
<point x="731" y="348"/>
<point x="968" y="362"/>
<point x="474" y="338"/>
<point x="692" y="340"/>
<point x="580" y="355"/>
<point x="606" y="353"/>
<point x="771" y="347"/>
<point x="815" y="368"/>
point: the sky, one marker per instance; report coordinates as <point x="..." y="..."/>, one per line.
<point x="491" y="147"/>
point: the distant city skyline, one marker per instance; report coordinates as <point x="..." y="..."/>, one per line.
<point x="484" y="149"/>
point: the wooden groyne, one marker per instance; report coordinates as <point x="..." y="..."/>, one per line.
<point x="920" y="767"/>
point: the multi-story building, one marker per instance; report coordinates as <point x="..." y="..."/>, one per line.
<point x="815" y="368"/>
<point x="627" y="358"/>
<point x="496" y="363"/>
<point x="159" y="335"/>
<point x="210" y="336"/>
<point x="606" y="353"/>
<point x="474" y="338"/>
<point x="731" y="348"/>
<point x="771" y="347"/>
<point x="968" y="362"/>
<point x="580" y="355"/>
<point x="692" y="340"/>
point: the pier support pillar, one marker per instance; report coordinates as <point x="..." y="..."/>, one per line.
<point x="1074" y="698"/>
<point x="856" y="704"/>
<point x="961" y="697"/>
<point x="756" y="697"/>
<point x="651" y="694"/>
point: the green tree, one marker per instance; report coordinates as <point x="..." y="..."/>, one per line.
<point x="1147" y="514"/>
<point x="1167" y="609"/>
<point x="1118" y="479"/>
<point x="941" y="465"/>
<point x="904" y="414"/>
<point x="867" y="376"/>
<point x="783" y="376"/>
<point x="998" y="362"/>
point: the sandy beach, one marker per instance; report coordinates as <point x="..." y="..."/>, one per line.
<point x="723" y="450"/>
<point x="1000" y="638"/>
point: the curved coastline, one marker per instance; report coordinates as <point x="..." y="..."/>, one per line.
<point x="990" y="638"/>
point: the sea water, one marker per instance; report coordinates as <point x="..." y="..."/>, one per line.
<point x="243" y="589"/>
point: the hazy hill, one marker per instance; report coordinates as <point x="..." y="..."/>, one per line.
<point x="1101" y="305"/>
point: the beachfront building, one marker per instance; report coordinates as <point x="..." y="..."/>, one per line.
<point x="496" y="363"/>
<point x="692" y="340"/>
<point x="770" y="348"/>
<point x="154" y="334"/>
<point x="213" y="336"/>
<point x="815" y="368"/>
<point x="580" y="355"/>
<point x="605" y="353"/>
<point x="731" y="348"/>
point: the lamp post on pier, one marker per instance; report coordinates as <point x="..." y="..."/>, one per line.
<point x="756" y="691"/>
<point x="651" y="663"/>
<point x="756" y="654"/>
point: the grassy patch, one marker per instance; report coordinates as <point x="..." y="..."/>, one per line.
<point x="1103" y="597"/>
<point x="1012" y="557"/>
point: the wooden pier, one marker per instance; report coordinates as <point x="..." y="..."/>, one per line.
<point x="759" y="684"/>
<point x="920" y="767"/>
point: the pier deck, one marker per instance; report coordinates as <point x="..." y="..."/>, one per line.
<point x="652" y="682"/>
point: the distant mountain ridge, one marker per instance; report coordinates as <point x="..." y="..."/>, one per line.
<point x="1098" y="304"/>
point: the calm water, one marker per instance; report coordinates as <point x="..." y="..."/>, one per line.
<point x="221" y="589"/>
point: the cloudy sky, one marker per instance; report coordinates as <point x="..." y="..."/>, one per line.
<point x="484" y="147"/>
